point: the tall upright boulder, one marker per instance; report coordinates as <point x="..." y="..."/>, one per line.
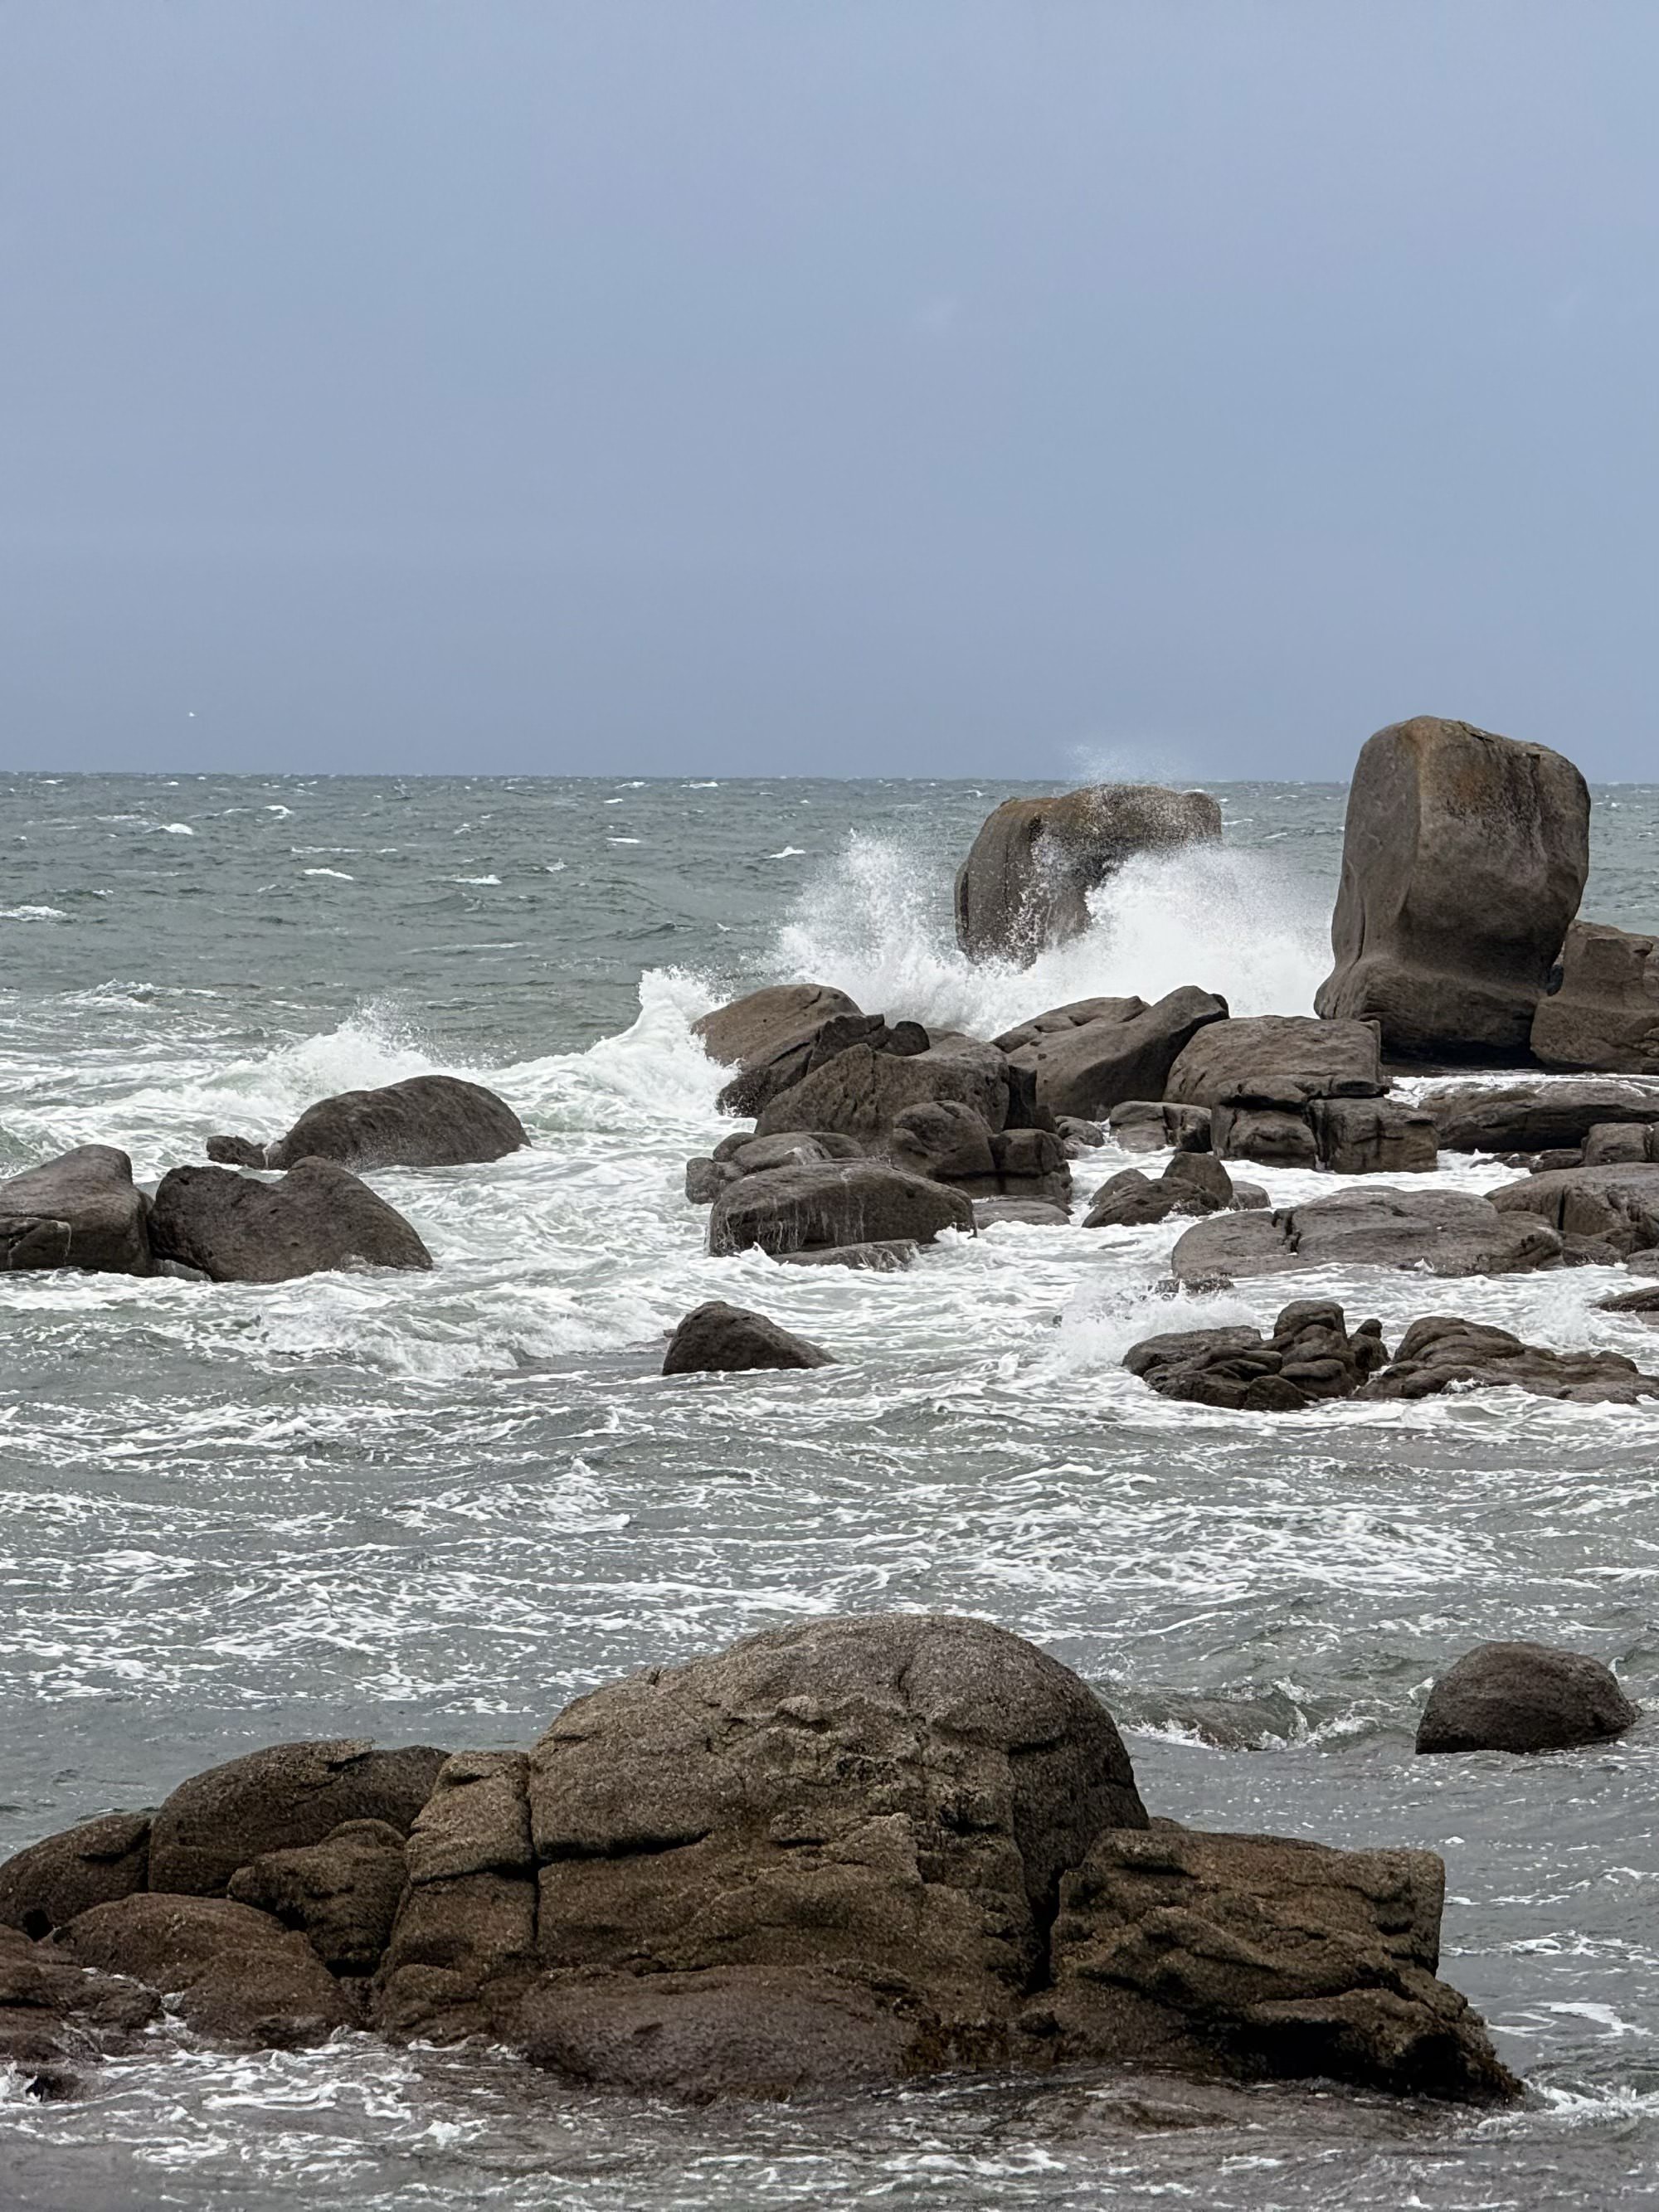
<point x="1464" y="861"/>
<point x="1026" y="880"/>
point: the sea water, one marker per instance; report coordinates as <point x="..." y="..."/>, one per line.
<point x="432" y="1508"/>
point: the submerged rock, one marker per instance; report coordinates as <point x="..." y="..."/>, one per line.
<point x="887" y="1256"/>
<point x="1523" y="1697"/>
<point x="1463" y="860"/>
<point x="718" y="1339"/>
<point x="318" y="1216"/>
<point x="81" y="1210"/>
<point x="785" y="1210"/>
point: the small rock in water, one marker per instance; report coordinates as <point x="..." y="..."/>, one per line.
<point x="1524" y="1698"/>
<point x="717" y="1338"/>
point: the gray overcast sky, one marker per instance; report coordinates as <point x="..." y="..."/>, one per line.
<point x="825" y="386"/>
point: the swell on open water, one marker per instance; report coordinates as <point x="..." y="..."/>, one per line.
<point x="433" y="1508"/>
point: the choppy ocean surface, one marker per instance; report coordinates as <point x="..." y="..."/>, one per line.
<point x="432" y="1508"/>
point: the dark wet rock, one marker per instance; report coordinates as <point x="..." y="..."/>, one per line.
<point x="1192" y="1182"/>
<point x="1034" y="1212"/>
<point x="50" y="1882"/>
<point x="341" y="1894"/>
<point x="1441" y="1352"/>
<point x="1535" y="1114"/>
<point x="760" y="1084"/>
<point x="1607" y="1144"/>
<point x="1309" y="1356"/>
<point x="55" y="2015"/>
<point x="861" y="1092"/>
<point x="706" y="1179"/>
<point x="833" y="1202"/>
<point x="1443" y="1232"/>
<point x="1524" y="1698"/>
<point x="948" y="1142"/>
<point x="1260" y="1956"/>
<point x="887" y="1256"/>
<point x="428" y="1121"/>
<point x="1026" y="880"/>
<point x="1278" y="1059"/>
<point x="1153" y="1125"/>
<point x="756" y="1027"/>
<point x="1464" y="861"/>
<point x="1604" y="1010"/>
<point x="1093" y="1055"/>
<point x="752" y="1155"/>
<point x="717" y="1338"/>
<point x="1373" y="1136"/>
<point x="236" y="1230"/>
<point x="1642" y="1305"/>
<point x="81" y="1210"/>
<point x="1618" y="1206"/>
<point x="280" y="1799"/>
<point x="1272" y="1136"/>
<point x="1590" y="1252"/>
<point x="1079" y="1135"/>
<point x="233" y="1974"/>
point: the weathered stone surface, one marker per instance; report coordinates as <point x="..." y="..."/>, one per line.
<point x="1441" y="1350"/>
<point x="318" y="1216"/>
<point x="764" y="1080"/>
<point x="1523" y="1697"/>
<point x="1604" y="1012"/>
<point x="426" y="1121"/>
<point x="1607" y="1144"/>
<point x="1619" y="1205"/>
<point x="341" y="1894"/>
<point x="1260" y="1956"/>
<point x="706" y="1179"/>
<point x="1079" y="1135"/>
<point x="234" y="1974"/>
<point x="1272" y="1136"/>
<point x="81" y="1210"/>
<point x="1533" y="1116"/>
<point x="895" y="1798"/>
<point x="1192" y="1182"/>
<point x="1092" y="1056"/>
<point x="52" y="1880"/>
<point x="944" y="1140"/>
<point x="1152" y="1124"/>
<point x="756" y="1027"/>
<point x="861" y="1092"/>
<point x="1026" y="880"/>
<point x="289" y="1794"/>
<point x="1278" y="1059"/>
<point x="1309" y="1356"/>
<point x="717" y="1338"/>
<point x="1445" y="1232"/>
<point x="1373" y="1136"/>
<point x="884" y="1256"/>
<point x="752" y="1155"/>
<point x="787" y="1210"/>
<point x="54" y="2014"/>
<point x="477" y="1819"/>
<point x="1464" y="861"/>
<point x="1033" y="1212"/>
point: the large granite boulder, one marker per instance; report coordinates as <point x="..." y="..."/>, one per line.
<point x="1603" y="1012"/>
<point x="860" y="1091"/>
<point x="92" y="1863"/>
<point x="947" y="1142"/>
<point x="1281" y="1061"/>
<point x="1543" y="1114"/>
<point x="1616" y="1204"/>
<point x="1443" y="1232"/>
<point x="1523" y="1697"/>
<point x="80" y="1210"/>
<point x="829" y="1202"/>
<point x="235" y="1229"/>
<point x="717" y="1338"/>
<point x="1026" y="880"/>
<point x="1373" y="1136"/>
<point x="280" y="1799"/>
<point x="1309" y="1356"/>
<point x="1464" y="861"/>
<point x="426" y="1121"/>
<point x="1192" y="1182"/>
<point x="756" y="1027"/>
<point x="1089" y="1057"/>
<point x="1260" y="1956"/>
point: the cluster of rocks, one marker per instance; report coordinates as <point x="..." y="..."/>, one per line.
<point x="1310" y="1356"/>
<point x="857" y="1851"/>
<point x="84" y="1210"/>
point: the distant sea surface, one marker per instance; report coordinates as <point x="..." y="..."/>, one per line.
<point x="433" y="1508"/>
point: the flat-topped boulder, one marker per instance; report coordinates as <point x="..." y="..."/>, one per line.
<point x="1602" y="1010"/>
<point x="239" y="1228"/>
<point x="1523" y="1697"/>
<point x="1464" y="861"/>
<point x="426" y="1121"/>
<point x="1536" y="1114"/>
<point x="1443" y="1232"/>
<point x="81" y="1210"/>
<point x="766" y="1023"/>
<point x="1281" y="1061"/>
<point x="1026" y="883"/>
<point x="830" y="1202"/>
<point x="1088" y="1058"/>
<point x="1616" y="1204"/>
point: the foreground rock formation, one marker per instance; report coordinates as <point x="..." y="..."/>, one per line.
<point x="1026" y="880"/>
<point x="233" y="1229"/>
<point x="1523" y="1697"/>
<point x="81" y="1209"/>
<point x="717" y="1338"/>
<point x="428" y="1121"/>
<point x="1463" y="860"/>
<point x="853" y="1852"/>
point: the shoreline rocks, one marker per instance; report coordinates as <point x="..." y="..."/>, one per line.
<point x="233" y="1229"/>
<point x="833" y="1202"/>
<point x="426" y="1121"/>
<point x="1445" y="1232"/>
<point x="1602" y="1012"/>
<point x="1086" y="1058"/>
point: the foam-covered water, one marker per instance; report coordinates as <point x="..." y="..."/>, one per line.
<point x="431" y="1508"/>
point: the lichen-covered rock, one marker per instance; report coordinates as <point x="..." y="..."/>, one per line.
<point x="342" y="1895"/>
<point x="235" y="1229"/>
<point x="81" y="1210"/>
<point x="785" y="1210"/>
<point x="1092" y="1056"/>
<point x="717" y="1338"/>
<point x="50" y="1882"/>
<point x="1524" y="1698"/>
<point x="1603" y="1012"/>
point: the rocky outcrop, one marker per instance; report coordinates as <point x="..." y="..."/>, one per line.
<point x="1089" y="1057"/>
<point x="1310" y="1356"/>
<point x="1525" y="1698"/>
<point x="1150" y="1125"/>
<point x="81" y="1210"/>
<point x="1618" y="1206"/>
<point x="235" y="1229"/>
<point x="426" y="1121"/>
<point x="341" y="1894"/>
<point x="832" y="1202"/>
<point x="1278" y="1060"/>
<point x="744" y="1153"/>
<point x="1193" y="1182"/>
<point x="860" y="1092"/>
<point x="1443" y="1232"/>
<point x="1440" y="1352"/>
<point x="55" y="2015"/>
<point x="1602" y="1010"/>
<point x="717" y="1338"/>
<point x="1258" y="1956"/>
<point x="1464" y="861"/>
<point x="1533" y="1117"/>
<point x="948" y="1142"/>
<point x="1373" y="1136"/>
<point x="757" y="1028"/>
<point x="769" y="1074"/>
<point x="92" y="1864"/>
